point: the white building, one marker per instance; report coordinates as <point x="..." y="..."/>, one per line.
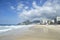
<point x="58" y="19"/>
<point x="44" y="21"/>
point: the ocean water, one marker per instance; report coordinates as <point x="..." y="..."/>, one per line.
<point x="6" y="28"/>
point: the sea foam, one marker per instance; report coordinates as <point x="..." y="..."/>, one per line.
<point x="12" y="27"/>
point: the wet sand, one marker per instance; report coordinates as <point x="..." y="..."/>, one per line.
<point x="36" y="32"/>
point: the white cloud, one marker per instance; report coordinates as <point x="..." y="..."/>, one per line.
<point x="20" y="6"/>
<point x="12" y="7"/>
<point x="35" y="5"/>
<point x="26" y="7"/>
<point x="49" y="9"/>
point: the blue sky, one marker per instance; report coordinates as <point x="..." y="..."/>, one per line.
<point x="10" y="16"/>
<point x="15" y="11"/>
<point x="7" y="15"/>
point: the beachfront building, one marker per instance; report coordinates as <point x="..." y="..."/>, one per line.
<point x="47" y="21"/>
<point x="58" y="20"/>
<point x="44" y="21"/>
<point x="51" y="21"/>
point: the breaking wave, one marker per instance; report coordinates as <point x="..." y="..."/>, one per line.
<point x="12" y="27"/>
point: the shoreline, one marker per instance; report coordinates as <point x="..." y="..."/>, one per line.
<point x="35" y="32"/>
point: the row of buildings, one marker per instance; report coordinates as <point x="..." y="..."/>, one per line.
<point x="43" y="21"/>
<point x="56" y="20"/>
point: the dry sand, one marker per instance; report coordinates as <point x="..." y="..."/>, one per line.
<point x="36" y="32"/>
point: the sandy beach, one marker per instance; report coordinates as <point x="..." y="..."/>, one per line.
<point x="36" y="32"/>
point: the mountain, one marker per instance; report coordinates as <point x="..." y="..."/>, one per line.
<point x="29" y="22"/>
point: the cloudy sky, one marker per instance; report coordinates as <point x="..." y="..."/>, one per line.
<point x="15" y="11"/>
